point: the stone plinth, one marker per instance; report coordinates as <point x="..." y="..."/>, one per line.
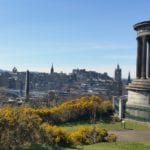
<point x="139" y="92"/>
<point x="138" y="98"/>
<point x="140" y="85"/>
<point x="138" y="112"/>
<point x="138" y="104"/>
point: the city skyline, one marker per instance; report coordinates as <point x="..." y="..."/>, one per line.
<point x="95" y="35"/>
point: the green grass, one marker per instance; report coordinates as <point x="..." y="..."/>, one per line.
<point x="110" y="126"/>
<point x="41" y="147"/>
<point x="99" y="146"/>
<point x="118" y="146"/>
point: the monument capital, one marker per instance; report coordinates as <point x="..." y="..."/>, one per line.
<point x="142" y="25"/>
<point x="142" y="28"/>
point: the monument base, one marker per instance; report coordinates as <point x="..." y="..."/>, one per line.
<point x="138" y="104"/>
<point x="137" y="112"/>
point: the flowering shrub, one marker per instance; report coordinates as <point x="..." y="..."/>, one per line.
<point x="81" y="109"/>
<point x="55" y="135"/>
<point x="84" y="135"/>
<point x="27" y="125"/>
<point x="18" y="127"/>
<point x="89" y="135"/>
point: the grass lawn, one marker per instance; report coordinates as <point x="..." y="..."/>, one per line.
<point x="110" y="126"/>
<point x="42" y="147"/>
<point x="99" y="146"/>
<point x="118" y="146"/>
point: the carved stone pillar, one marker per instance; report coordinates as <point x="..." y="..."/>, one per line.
<point x="144" y="54"/>
<point x="139" y="58"/>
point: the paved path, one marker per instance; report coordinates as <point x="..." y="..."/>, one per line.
<point x="132" y="135"/>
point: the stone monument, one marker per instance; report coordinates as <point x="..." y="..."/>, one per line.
<point x="138" y="104"/>
<point x="118" y="80"/>
<point x="27" y="85"/>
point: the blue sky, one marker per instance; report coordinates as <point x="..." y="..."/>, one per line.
<point x="90" y="34"/>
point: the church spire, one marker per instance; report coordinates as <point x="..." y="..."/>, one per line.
<point x="52" y="69"/>
<point x="129" y="78"/>
<point x="118" y="67"/>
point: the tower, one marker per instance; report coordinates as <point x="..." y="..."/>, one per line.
<point x="118" y="73"/>
<point x="138" y="104"/>
<point x="27" y="88"/>
<point x="118" y="80"/>
<point x="52" y="69"/>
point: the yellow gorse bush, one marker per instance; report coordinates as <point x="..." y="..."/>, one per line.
<point x="89" y="135"/>
<point x="27" y="125"/>
<point x="55" y="135"/>
<point x="18" y="126"/>
<point x="82" y="135"/>
<point x="76" y="110"/>
<point x="81" y="109"/>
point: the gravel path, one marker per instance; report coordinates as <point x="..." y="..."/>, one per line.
<point x="132" y="135"/>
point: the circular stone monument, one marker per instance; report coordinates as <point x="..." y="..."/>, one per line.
<point x="138" y="104"/>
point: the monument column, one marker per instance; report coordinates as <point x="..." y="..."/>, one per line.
<point x="144" y="53"/>
<point x="148" y="57"/>
<point x="138" y="103"/>
<point x="138" y="61"/>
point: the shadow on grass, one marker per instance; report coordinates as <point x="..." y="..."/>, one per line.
<point x="44" y="147"/>
<point x="70" y="124"/>
<point x="32" y="147"/>
<point x="85" y="122"/>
